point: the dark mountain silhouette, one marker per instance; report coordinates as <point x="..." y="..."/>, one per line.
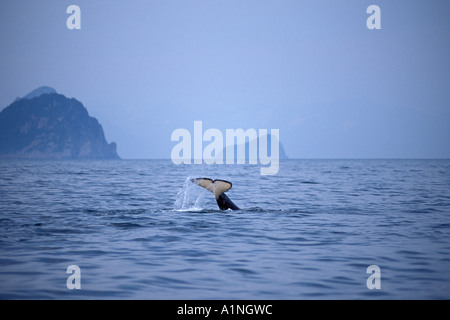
<point x="48" y="125"/>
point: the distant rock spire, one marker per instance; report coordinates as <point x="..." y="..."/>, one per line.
<point x="39" y="91"/>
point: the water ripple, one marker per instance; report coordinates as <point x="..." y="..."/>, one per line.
<point x="137" y="229"/>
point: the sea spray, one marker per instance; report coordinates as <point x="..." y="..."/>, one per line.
<point x="191" y="197"/>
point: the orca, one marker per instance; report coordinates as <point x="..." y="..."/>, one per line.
<point x="218" y="187"/>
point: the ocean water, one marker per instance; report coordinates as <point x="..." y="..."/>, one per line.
<point x="138" y="229"/>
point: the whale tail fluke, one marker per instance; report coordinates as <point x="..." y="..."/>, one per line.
<point x="218" y="187"/>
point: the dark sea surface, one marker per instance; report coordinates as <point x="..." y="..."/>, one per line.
<point x="138" y="229"/>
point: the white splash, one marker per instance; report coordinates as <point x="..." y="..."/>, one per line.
<point x="190" y="198"/>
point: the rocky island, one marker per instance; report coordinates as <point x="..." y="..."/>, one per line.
<point x="47" y="125"/>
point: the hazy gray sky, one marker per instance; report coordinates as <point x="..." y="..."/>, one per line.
<point x="311" y="69"/>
